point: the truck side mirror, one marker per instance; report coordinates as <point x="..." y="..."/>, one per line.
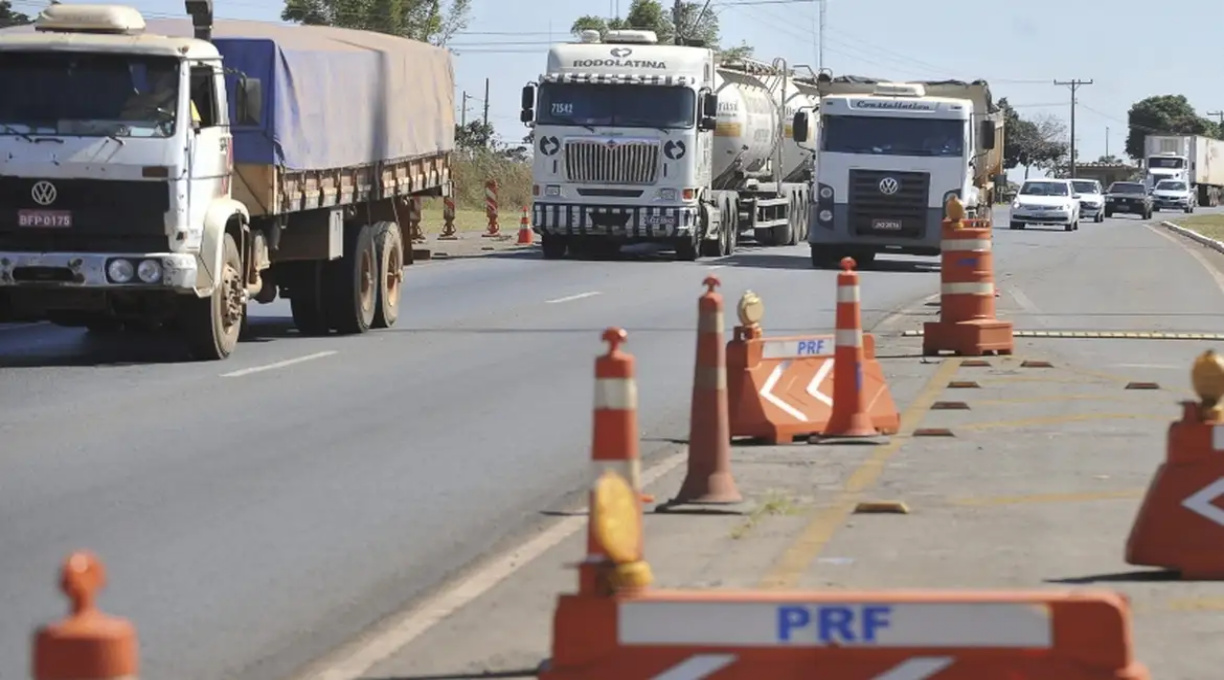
<point x="528" y="104"/>
<point x="986" y="131"/>
<point x="709" y="112"/>
<point x="799" y="127"/>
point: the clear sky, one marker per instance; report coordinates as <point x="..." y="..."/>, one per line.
<point x="1020" y="48"/>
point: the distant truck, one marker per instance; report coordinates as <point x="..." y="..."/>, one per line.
<point x="888" y="158"/>
<point x="1194" y="159"/>
<point x="638" y="142"/>
<point x="163" y="175"/>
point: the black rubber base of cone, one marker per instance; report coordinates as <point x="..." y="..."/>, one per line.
<point x="839" y="440"/>
<point x="703" y="507"/>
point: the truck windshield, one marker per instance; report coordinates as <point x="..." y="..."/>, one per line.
<point x="88" y="95"/>
<point x="646" y="106"/>
<point x="1165" y="163"/>
<point x="885" y="136"/>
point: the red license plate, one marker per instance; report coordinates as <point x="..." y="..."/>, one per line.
<point x="886" y="225"/>
<point x="44" y="219"/>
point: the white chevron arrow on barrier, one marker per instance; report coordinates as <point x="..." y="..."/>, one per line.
<point x="917" y="668"/>
<point x="697" y="667"/>
<point x="813" y="388"/>
<point x="1202" y="502"/>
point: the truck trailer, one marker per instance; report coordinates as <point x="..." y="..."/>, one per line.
<point x="165" y="173"/>
<point x="638" y="142"/>
<point x="1194" y="159"/>
<point x="890" y="155"/>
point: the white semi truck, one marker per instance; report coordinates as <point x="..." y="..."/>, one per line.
<point x="641" y="142"/>
<point x="1194" y="159"/>
<point x="164" y="174"/>
<point x="888" y="158"/>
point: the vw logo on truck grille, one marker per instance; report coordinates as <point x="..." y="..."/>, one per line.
<point x="889" y="186"/>
<point x="43" y="192"/>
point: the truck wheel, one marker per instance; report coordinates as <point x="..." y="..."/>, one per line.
<point x="554" y="247"/>
<point x="389" y="241"/>
<point x="689" y="249"/>
<point x="306" y="286"/>
<point x="718" y="247"/>
<point x="732" y="227"/>
<point x="353" y="283"/>
<point x="211" y="325"/>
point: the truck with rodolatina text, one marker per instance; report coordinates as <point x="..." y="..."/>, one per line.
<point x="164" y="173"/>
<point x="1194" y="159"/>
<point x="637" y="142"/>
<point x="889" y="156"/>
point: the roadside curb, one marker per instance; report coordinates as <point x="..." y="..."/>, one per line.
<point x="1215" y="245"/>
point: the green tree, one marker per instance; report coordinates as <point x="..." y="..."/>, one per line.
<point x="650" y="15"/>
<point x="1169" y="114"/>
<point x="10" y="18"/>
<point x="475" y="135"/>
<point x="1031" y="143"/>
<point x="432" y="21"/>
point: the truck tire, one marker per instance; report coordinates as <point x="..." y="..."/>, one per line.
<point x="306" y="286"/>
<point x="732" y="226"/>
<point x="718" y="247"/>
<point x="389" y="241"/>
<point x="352" y="290"/>
<point x="553" y="246"/>
<point x="211" y="325"/>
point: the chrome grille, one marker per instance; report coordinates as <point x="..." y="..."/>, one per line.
<point x="611" y="163"/>
<point x="907" y="205"/>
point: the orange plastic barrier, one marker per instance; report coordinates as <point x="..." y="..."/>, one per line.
<point x="967" y="325"/>
<point x="1181" y="523"/>
<point x="782" y="388"/>
<point x="88" y="645"/>
<point x="525" y="236"/>
<point x="632" y="631"/>
<point x="709" y="480"/>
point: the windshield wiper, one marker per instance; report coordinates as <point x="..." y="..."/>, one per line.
<point x="13" y="131"/>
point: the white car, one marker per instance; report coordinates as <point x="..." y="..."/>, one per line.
<point x="1173" y="194"/>
<point x="1046" y="201"/>
<point x="1092" y="199"/>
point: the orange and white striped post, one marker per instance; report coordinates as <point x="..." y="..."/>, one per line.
<point x="491" y="209"/>
<point x="614" y="438"/>
<point x="525" y="235"/>
<point x="88" y="645"/>
<point x="849" y="417"/>
<point x="709" y="480"/>
<point x="967" y="323"/>
<point x="448" y="220"/>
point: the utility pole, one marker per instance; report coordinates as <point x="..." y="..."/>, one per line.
<point x="820" y="48"/>
<point x="1107" y="141"/>
<point x="463" y="111"/>
<point x="1219" y="115"/>
<point x="1075" y="85"/>
<point x="677" y="15"/>
<point x="486" y="103"/>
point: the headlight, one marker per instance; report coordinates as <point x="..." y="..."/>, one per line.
<point x="1016" y="205"/>
<point x="120" y="271"/>
<point x="826" y="216"/>
<point x="826" y="193"/>
<point x="667" y="194"/>
<point x="149" y="271"/>
<point x="552" y="191"/>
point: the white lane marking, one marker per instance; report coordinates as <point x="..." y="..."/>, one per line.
<point x="716" y="266"/>
<point x="917" y="668"/>
<point x="1027" y="304"/>
<point x="571" y="298"/>
<point x="1184" y="244"/>
<point x="366" y="653"/>
<point x="278" y="364"/>
<point x="697" y="667"/>
<point x="1161" y="367"/>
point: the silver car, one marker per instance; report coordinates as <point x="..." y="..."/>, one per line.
<point x="1092" y="199"/>
<point x="1173" y="194"/>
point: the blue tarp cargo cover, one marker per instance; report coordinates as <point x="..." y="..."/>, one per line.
<point x="333" y="97"/>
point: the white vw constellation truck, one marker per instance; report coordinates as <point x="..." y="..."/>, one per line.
<point x="640" y="142"/>
<point x="160" y="175"/>
<point x="889" y="156"/>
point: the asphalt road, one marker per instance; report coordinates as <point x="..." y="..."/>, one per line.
<point x="252" y="521"/>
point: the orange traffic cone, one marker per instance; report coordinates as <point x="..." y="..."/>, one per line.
<point x="88" y="645"/>
<point x="850" y="417"/>
<point x="614" y="436"/>
<point x="709" y="480"/>
<point x="526" y="237"/>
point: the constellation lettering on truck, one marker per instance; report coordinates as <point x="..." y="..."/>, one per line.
<point x="620" y="63"/>
<point x="892" y="105"/>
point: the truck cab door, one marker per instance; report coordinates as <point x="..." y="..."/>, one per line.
<point x="211" y="155"/>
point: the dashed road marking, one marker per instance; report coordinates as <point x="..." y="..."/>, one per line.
<point x="571" y="298"/>
<point x="279" y="364"/>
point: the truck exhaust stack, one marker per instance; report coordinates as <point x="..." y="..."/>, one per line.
<point x="201" y="12"/>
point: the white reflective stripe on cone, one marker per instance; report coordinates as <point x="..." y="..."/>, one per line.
<point x="710" y="378"/>
<point x="848" y="293"/>
<point x="631" y="470"/>
<point x="852" y="338"/>
<point x="967" y="289"/>
<point x="711" y="322"/>
<point x="616" y="394"/>
<point x="956" y="244"/>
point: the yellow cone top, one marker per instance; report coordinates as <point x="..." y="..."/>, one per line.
<point x="617" y="524"/>
<point x="1207" y="377"/>
<point x="751" y="309"/>
<point x="955" y="209"/>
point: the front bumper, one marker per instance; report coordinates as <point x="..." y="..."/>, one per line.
<point x="1132" y="207"/>
<point x="636" y="222"/>
<point x="1033" y="216"/>
<point x="1171" y="204"/>
<point x="922" y="236"/>
<point x="1091" y="209"/>
<point x="88" y="270"/>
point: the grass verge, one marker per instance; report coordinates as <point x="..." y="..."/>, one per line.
<point x="1211" y="226"/>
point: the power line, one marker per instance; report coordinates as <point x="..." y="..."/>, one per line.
<point x="1075" y="84"/>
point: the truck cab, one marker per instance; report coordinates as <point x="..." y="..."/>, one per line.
<point x="112" y="161"/>
<point x="1166" y="166"/>
<point x="889" y="156"/>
